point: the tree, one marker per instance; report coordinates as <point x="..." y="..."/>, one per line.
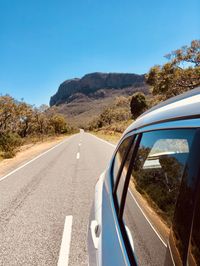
<point x="8" y="114"/>
<point x="42" y="124"/>
<point x="19" y="120"/>
<point x="58" y="123"/>
<point x="25" y="119"/>
<point x="179" y="74"/>
<point x="138" y="104"/>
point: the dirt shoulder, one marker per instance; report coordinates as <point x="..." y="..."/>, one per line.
<point x="28" y="152"/>
<point x="112" y="137"/>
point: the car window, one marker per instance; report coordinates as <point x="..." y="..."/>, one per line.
<point x="122" y="178"/>
<point x="120" y="154"/>
<point x="194" y="247"/>
<point x="153" y="189"/>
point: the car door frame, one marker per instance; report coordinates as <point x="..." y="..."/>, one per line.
<point x="169" y="125"/>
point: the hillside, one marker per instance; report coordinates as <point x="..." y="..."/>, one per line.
<point x="81" y="100"/>
<point x="91" y="83"/>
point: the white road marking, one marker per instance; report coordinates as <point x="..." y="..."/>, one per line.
<point x="102" y="140"/>
<point x="37" y="157"/>
<point x="78" y="155"/>
<point x="147" y="219"/>
<point x="65" y="244"/>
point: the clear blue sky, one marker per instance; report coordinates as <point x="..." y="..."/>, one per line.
<point x="44" y="42"/>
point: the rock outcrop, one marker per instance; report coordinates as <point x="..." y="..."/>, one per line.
<point x="91" y="83"/>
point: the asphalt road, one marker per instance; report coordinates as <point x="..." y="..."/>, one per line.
<point x="36" y="199"/>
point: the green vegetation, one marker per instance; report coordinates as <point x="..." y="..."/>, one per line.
<point x="181" y="73"/>
<point x="20" y="121"/>
<point x="161" y="195"/>
<point x="138" y="104"/>
<point x="9" y="143"/>
<point x="113" y="118"/>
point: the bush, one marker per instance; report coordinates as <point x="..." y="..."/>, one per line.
<point x="59" y="124"/>
<point x="138" y="104"/>
<point x="116" y="114"/>
<point x="9" y="143"/>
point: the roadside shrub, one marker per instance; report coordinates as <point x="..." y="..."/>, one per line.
<point x="138" y="104"/>
<point x="59" y="124"/>
<point x="9" y="144"/>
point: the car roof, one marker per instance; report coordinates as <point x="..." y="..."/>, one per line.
<point x="184" y="106"/>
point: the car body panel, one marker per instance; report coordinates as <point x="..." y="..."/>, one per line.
<point x="110" y="243"/>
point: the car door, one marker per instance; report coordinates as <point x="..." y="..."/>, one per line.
<point x="151" y="188"/>
<point x="111" y="250"/>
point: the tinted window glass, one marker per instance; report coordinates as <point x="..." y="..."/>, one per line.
<point x="153" y="190"/>
<point x="123" y="173"/>
<point x="183" y="216"/>
<point x="194" y="249"/>
<point x="123" y="148"/>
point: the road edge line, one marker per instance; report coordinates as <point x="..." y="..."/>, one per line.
<point x="34" y="159"/>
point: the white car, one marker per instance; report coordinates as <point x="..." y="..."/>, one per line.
<point x="146" y="209"/>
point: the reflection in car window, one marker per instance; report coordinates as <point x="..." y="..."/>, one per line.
<point x="120" y="156"/>
<point x="194" y="249"/>
<point x="123" y="174"/>
<point x="182" y="220"/>
<point x="153" y="189"/>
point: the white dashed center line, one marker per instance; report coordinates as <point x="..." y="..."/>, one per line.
<point x="65" y="244"/>
<point x="78" y="155"/>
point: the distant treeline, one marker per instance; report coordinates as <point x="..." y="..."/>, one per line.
<point x="20" y="121"/>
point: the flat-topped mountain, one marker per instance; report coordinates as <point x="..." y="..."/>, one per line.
<point x="89" y="84"/>
<point x="80" y="100"/>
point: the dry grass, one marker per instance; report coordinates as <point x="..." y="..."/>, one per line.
<point x="113" y="132"/>
<point x="112" y="137"/>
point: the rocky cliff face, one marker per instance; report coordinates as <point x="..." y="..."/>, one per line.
<point x="91" y="83"/>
